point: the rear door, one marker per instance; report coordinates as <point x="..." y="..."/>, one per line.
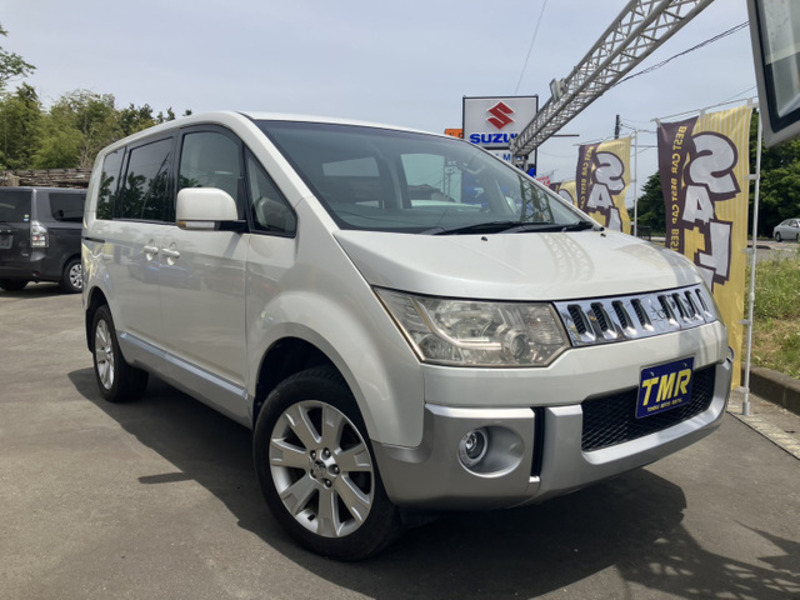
<point x="15" y="228"/>
<point x="142" y="211"/>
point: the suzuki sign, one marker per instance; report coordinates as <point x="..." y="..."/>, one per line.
<point x="493" y="122"/>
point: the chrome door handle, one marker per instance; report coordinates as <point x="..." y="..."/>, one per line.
<point x="150" y="251"/>
<point x="171" y="255"/>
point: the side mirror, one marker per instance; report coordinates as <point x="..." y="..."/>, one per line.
<point x="207" y="209"/>
<point x="775" y="35"/>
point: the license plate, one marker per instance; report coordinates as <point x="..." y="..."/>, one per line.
<point x="664" y="387"/>
<point x="5" y="242"/>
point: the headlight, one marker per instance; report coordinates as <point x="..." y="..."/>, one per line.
<point x="476" y="333"/>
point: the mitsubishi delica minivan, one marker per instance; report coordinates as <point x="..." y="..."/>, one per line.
<point x="405" y="322"/>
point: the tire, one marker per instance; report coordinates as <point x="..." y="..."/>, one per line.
<point x="322" y="484"/>
<point x="118" y="381"/>
<point x="72" y="278"/>
<point x="778" y="237"/>
<point x="13" y="285"/>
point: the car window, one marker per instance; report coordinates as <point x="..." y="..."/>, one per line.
<point x="270" y="211"/>
<point x="109" y="181"/>
<point x="15" y="206"/>
<point x="147" y="190"/>
<point x="211" y="159"/>
<point x="67" y="208"/>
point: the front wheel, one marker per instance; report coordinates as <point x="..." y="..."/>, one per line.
<point x="778" y="237"/>
<point x="317" y="471"/>
<point x="118" y="381"/>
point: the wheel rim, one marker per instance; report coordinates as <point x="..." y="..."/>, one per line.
<point x="75" y="276"/>
<point x="104" y="354"/>
<point x="322" y="469"/>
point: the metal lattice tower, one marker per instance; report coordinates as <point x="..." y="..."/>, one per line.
<point x="641" y="27"/>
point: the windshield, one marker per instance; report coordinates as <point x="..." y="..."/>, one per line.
<point x="386" y="180"/>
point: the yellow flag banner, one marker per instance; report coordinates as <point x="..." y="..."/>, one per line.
<point x="704" y="166"/>
<point x="602" y="178"/>
<point x="566" y="189"/>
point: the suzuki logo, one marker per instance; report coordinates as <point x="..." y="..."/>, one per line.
<point x="501" y="112"/>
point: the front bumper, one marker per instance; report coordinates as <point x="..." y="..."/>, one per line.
<point x="535" y="453"/>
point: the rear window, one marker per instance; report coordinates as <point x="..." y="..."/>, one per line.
<point x="67" y="208"/>
<point x="15" y="206"/>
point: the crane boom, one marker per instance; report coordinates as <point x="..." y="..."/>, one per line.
<point x="641" y="27"/>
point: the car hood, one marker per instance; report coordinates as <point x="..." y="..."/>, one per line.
<point x="516" y="266"/>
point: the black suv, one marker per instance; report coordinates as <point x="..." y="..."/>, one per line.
<point x="40" y="237"/>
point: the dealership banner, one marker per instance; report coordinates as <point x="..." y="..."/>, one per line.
<point x="704" y="164"/>
<point x="565" y="189"/>
<point x="603" y="177"/>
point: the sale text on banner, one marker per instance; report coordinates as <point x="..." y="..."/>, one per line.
<point x="602" y="178"/>
<point x="704" y="168"/>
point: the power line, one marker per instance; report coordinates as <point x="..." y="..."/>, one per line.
<point x="530" y="48"/>
<point x="716" y="38"/>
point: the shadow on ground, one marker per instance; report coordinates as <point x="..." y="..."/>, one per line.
<point x="632" y="525"/>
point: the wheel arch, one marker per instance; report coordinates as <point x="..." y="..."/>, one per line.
<point x="95" y="299"/>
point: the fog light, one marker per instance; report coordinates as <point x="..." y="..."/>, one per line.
<point x="473" y="446"/>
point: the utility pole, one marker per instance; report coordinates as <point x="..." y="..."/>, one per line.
<point x="617" y="126"/>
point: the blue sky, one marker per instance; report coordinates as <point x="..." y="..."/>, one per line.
<point x="407" y="63"/>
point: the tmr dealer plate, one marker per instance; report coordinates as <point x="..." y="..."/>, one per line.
<point x="664" y="387"/>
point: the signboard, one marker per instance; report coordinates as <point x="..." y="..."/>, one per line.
<point x="492" y="122"/>
<point x="459" y="133"/>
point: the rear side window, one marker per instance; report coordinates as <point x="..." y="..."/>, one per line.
<point x="108" y="185"/>
<point x="67" y="208"/>
<point x="147" y="191"/>
<point x="15" y="206"/>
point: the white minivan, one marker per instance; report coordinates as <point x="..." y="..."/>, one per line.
<point x="404" y="321"/>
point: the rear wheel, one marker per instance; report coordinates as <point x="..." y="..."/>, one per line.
<point x="118" y="381"/>
<point x="317" y="471"/>
<point x="12" y="285"/>
<point x="72" y="278"/>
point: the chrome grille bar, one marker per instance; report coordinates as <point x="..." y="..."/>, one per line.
<point x="606" y="320"/>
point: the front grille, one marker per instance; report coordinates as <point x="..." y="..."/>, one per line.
<point x="605" y="320"/>
<point x="610" y="420"/>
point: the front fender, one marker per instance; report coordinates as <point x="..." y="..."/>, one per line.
<point x="363" y="344"/>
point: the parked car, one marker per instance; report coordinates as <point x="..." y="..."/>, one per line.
<point x="392" y="342"/>
<point x="40" y="236"/>
<point x="788" y="230"/>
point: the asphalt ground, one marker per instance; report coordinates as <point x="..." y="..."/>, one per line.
<point x="158" y="499"/>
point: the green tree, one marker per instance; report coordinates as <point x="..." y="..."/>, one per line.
<point x="20" y="128"/>
<point x="76" y="128"/>
<point x="135" y="118"/>
<point x="652" y="212"/>
<point x="11" y="64"/>
<point x="780" y="181"/>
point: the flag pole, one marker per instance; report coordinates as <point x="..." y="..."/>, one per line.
<point x="746" y="411"/>
<point x="636" y="183"/>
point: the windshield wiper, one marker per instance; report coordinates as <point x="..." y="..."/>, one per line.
<point x="547" y="227"/>
<point x="512" y="227"/>
<point x="490" y="227"/>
